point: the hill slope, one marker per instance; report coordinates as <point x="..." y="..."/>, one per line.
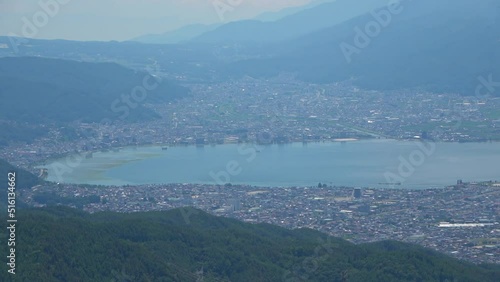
<point x="62" y="244"/>
<point x="40" y="90"/>
<point x="23" y="180"/>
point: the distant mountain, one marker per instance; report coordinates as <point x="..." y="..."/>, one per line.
<point x="63" y="244"/>
<point x="182" y="60"/>
<point x="176" y="36"/>
<point x="38" y="90"/>
<point x="301" y="23"/>
<point x="274" y="16"/>
<point x="437" y="45"/>
<point x="443" y="45"/>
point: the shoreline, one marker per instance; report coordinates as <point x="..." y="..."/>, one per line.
<point x="115" y="158"/>
<point x="337" y="140"/>
<point x="266" y="187"/>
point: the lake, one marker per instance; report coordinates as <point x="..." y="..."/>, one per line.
<point x="368" y="163"/>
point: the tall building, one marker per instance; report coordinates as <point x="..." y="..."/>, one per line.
<point x="356" y="193"/>
<point x="235" y="204"/>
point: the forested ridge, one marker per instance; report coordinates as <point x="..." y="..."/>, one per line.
<point x="64" y="244"/>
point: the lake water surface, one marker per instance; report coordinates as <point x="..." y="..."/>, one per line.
<point x="371" y="163"/>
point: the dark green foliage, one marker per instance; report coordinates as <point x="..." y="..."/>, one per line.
<point x="48" y="198"/>
<point x="24" y="179"/>
<point x="63" y="244"/>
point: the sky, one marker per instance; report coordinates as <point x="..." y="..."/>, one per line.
<point x="122" y="19"/>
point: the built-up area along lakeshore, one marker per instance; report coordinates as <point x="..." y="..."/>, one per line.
<point x="461" y="220"/>
<point x="275" y="112"/>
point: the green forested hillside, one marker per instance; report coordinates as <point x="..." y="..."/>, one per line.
<point x="24" y="180"/>
<point x="63" y="244"/>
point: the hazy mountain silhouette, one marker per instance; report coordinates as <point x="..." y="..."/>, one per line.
<point x="440" y="45"/>
<point x="274" y="16"/>
<point x="176" y="36"/>
<point x="38" y="89"/>
<point x="301" y="23"/>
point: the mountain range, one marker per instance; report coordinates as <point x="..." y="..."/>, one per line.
<point x="189" y="32"/>
<point x="438" y="46"/>
<point x="179" y="35"/>
<point x="434" y="45"/>
<point x="298" y="24"/>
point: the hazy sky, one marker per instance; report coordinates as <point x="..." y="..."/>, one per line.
<point x="122" y="19"/>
